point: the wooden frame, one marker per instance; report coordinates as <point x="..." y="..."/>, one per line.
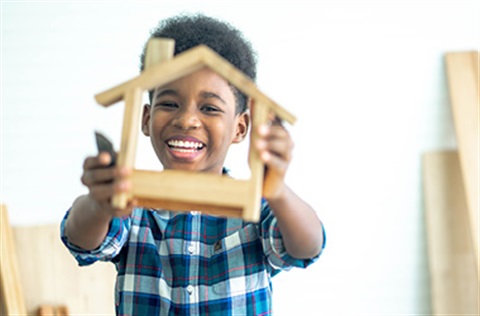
<point x="182" y="190"/>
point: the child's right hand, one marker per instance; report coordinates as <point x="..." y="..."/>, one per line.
<point x="103" y="182"/>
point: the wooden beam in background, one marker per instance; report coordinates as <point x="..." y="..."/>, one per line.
<point x="453" y="274"/>
<point x="13" y="300"/>
<point x="463" y="83"/>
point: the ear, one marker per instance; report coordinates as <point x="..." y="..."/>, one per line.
<point x="146" y="120"/>
<point x="242" y="123"/>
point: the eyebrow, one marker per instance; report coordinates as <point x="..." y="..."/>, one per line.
<point x="209" y="95"/>
<point x="166" y="92"/>
<point x="203" y="94"/>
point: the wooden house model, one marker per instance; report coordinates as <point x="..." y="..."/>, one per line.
<point x="182" y="190"/>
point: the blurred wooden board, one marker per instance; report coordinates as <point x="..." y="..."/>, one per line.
<point x="463" y="83"/>
<point x="50" y="275"/>
<point x="453" y="272"/>
<point x="12" y="298"/>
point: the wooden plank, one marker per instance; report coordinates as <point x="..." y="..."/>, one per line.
<point x="157" y="75"/>
<point x="51" y="276"/>
<point x="257" y="168"/>
<point x="159" y="50"/>
<point x="181" y="206"/>
<point x="453" y="274"/>
<point x="189" y="187"/>
<point x="128" y="146"/>
<point x="463" y="83"/>
<point x="184" y="64"/>
<point x="12" y="295"/>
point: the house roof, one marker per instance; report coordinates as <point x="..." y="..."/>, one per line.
<point x="184" y="64"/>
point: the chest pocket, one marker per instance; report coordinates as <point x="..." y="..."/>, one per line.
<point x="236" y="264"/>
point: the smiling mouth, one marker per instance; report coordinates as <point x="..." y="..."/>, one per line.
<point x="185" y="146"/>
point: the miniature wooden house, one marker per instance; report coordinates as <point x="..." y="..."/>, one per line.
<point x="183" y="190"/>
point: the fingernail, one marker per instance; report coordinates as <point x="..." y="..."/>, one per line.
<point x="105" y="158"/>
<point x="124" y="185"/>
<point x="261" y="144"/>
<point x="263" y="129"/>
<point x="265" y="156"/>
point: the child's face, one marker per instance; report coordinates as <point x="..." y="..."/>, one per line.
<point x="192" y="122"/>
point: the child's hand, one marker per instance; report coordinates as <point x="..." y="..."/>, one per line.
<point x="103" y="182"/>
<point x="275" y="147"/>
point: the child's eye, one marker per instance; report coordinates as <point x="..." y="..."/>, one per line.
<point x="210" y="108"/>
<point x="166" y="105"/>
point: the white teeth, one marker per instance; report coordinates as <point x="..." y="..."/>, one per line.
<point x="179" y="144"/>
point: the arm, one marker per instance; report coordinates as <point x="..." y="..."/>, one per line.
<point x="89" y="219"/>
<point x="299" y="224"/>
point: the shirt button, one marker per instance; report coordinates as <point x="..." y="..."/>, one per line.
<point x="190" y="289"/>
<point x="191" y="249"/>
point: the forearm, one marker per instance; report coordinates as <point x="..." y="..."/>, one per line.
<point x="86" y="225"/>
<point x="299" y="224"/>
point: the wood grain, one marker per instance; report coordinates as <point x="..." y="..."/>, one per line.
<point x="453" y="273"/>
<point x="51" y="276"/>
<point x="463" y="83"/>
<point x="12" y="294"/>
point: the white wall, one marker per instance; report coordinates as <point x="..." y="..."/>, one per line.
<point x="366" y="80"/>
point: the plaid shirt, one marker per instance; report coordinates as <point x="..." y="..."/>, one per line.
<point x="191" y="264"/>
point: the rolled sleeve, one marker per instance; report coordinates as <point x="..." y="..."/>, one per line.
<point x="111" y="246"/>
<point x="273" y="245"/>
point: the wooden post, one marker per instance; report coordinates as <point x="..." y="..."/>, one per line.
<point x="257" y="168"/>
<point x="158" y="50"/>
<point x="128" y="146"/>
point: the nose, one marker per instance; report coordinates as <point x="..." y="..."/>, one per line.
<point x="187" y="119"/>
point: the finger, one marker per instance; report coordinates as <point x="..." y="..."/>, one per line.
<point x="276" y="140"/>
<point x="102" y="160"/>
<point x="280" y="148"/>
<point x="276" y="121"/>
<point x="120" y="212"/>
<point x="273" y="131"/>
<point x="274" y="162"/>
<point x="104" y="192"/>
<point x="98" y="176"/>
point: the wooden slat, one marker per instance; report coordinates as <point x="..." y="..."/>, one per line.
<point x="184" y="64"/>
<point x="257" y="168"/>
<point x="156" y="75"/>
<point x="453" y="274"/>
<point x="128" y="146"/>
<point x="189" y="187"/>
<point x="12" y="295"/>
<point x="463" y="82"/>
<point x="51" y="276"/>
<point x="159" y="50"/>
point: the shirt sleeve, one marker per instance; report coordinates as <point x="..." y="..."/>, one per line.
<point x="273" y="245"/>
<point x="116" y="237"/>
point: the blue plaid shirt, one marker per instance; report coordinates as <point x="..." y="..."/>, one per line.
<point x="191" y="264"/>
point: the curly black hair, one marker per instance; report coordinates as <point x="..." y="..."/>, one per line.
<point x="191" y="30"/>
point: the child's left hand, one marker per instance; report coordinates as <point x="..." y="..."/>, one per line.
<point x="275" y="147"/>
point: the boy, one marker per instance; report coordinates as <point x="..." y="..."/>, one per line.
<point x="188" y="263"/>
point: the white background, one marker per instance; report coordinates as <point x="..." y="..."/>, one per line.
<point x="366" y="80"/>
